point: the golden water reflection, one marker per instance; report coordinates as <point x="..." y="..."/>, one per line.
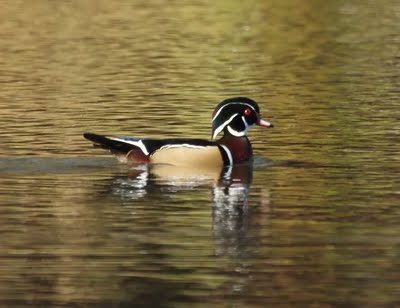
<point x="77" y="229"/>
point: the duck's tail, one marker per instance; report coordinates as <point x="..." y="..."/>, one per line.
<point x="126" y="149"/>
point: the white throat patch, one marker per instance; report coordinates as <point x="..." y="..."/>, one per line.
<point x="236" y="133"/>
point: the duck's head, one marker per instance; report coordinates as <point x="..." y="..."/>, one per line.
<point x="234" y="116"/>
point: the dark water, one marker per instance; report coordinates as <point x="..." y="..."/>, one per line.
<point x="313" y="222"/>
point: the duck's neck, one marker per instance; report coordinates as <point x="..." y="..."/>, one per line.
<point x="240" y="147"/>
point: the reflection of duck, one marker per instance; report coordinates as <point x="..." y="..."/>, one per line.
<point x="230" y="207"/>
<point x="232" y="189"/>
<point x="229" y="187"/>
<point x="160" y="178"/>
<point x="233" y="117"/>
<point x="231" y="220"/>
<point x="231" y="213"/>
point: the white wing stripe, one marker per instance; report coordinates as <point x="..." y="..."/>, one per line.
<point x="138" y="144"/>
<point x="182" y="145"/>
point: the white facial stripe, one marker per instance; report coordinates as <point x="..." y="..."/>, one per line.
<point x="222" y="126"/>
<point x="233" y="103"/>
<point x="138" y="144"/>
<point x="245" y="123"/>
<point x="228" y="153"/>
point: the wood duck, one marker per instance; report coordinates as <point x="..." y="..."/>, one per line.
<point x="233" y="117"/>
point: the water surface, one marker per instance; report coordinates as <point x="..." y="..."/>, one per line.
<point x="314" y="221"/>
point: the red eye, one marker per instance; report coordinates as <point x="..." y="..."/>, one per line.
<point x="247" y="111"/>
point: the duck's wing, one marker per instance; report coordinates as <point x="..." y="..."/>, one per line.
<point x="187" y="152"/>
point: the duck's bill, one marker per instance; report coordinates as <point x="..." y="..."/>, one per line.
<point x="264" y="123"/>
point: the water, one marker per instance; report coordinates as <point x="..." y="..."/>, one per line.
<point x="313" y="222"/>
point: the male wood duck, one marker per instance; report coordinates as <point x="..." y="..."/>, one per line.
<point x="233" y="117"/>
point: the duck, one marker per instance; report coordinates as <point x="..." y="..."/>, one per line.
<point x="232" y="118"/>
